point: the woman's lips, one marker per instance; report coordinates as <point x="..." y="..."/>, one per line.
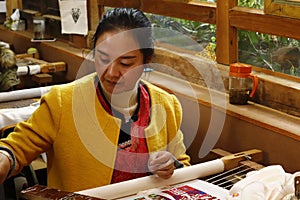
<point x="113" y="83"/>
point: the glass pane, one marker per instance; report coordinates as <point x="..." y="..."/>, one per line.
<point x="271" y="52"/>
<point x="201" y="34"/>
<point x="259" y="4"/>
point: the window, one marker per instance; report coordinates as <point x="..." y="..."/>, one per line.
<point x="186" y="33"/>
<point x="270" y="52"/>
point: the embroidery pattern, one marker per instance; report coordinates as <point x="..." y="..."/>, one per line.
<point x="76" y="12"/>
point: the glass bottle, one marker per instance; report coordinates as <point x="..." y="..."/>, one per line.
<point x="38" y="27"/>
<point x="242" y="83"/>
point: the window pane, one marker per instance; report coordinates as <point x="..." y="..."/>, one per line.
<point x="203" y="35"/>
<point x="271" y="52"/>
<point x="259" y="4"/>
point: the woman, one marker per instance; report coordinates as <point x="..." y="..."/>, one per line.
<point x="106" y="127"/>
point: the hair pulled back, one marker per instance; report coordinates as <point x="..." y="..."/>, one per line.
<point x="128" y="19"/>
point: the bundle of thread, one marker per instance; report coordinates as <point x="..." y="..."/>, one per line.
<point x="7" y="59"/>
<point x="8" y="70"/>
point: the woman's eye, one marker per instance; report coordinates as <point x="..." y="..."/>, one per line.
<point x="126" y="64"/>
<point x="104" y="61"/>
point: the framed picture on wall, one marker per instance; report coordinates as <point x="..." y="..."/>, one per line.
<point x="286" y="8"/>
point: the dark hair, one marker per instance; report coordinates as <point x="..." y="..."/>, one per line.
<point x="126" y="19"/>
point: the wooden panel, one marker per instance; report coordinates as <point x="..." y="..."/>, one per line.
<point x="202" y="12"/>
<point x="93" y="14"/>
<point x="78" y="41"/>
<point x="12" y="4"/>
<point x="36" y="5"/>
<point x="287" y="8"/>
<point x="120" y="3"/>
<point x="181" y="1"/>
<point x="256" y="20"/>
<point x="227" y="48"/>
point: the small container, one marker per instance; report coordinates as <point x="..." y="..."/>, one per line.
<point x="38" y="27"/>
<point x="242" y="83"/>
<point x="21" y="25"/>
<point x="18" y="25"/>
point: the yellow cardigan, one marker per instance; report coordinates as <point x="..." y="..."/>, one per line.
<point x="80" y="138"/>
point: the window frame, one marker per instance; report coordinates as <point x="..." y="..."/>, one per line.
<point x="286" y="8"/>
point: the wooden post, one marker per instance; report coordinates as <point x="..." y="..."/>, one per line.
<point x="227" y="39"/>
<point x="93" y="14"/>
<point x="11" y="5"/>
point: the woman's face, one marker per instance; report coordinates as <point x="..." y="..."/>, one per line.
<point x="118" y="61"/>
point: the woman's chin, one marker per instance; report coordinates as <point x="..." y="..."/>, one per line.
<point x="115" y="90"/>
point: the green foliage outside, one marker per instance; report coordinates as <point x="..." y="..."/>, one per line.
<point x="267" y="51"/>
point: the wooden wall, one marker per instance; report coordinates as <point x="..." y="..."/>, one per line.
<point x="225" y="14"/>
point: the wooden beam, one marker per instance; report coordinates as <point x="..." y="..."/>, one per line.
<point x="255" y="20"/>
<point x="120" y="3"/>
<point x="202" y="12"/>
<point x="12" y="4"/>
<point x="232" y="161"/>
<point x="287" y="8"/>
<point x="93" y="14"/>
<point x="227" y="41"/>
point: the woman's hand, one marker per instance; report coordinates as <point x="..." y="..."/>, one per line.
<point x="162" y="164"/>
<point x="4" y="167"/>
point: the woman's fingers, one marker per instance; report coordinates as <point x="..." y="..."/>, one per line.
<point x="166" y="172"/>
<point x="162" y="164"/>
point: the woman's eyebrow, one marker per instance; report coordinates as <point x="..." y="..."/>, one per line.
<point x="102" y="52"/>
<point x="122" y="57"/>
<point x="127" y="57"/>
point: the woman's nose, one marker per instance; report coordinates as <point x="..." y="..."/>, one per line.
<point x="113" y="69"/>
